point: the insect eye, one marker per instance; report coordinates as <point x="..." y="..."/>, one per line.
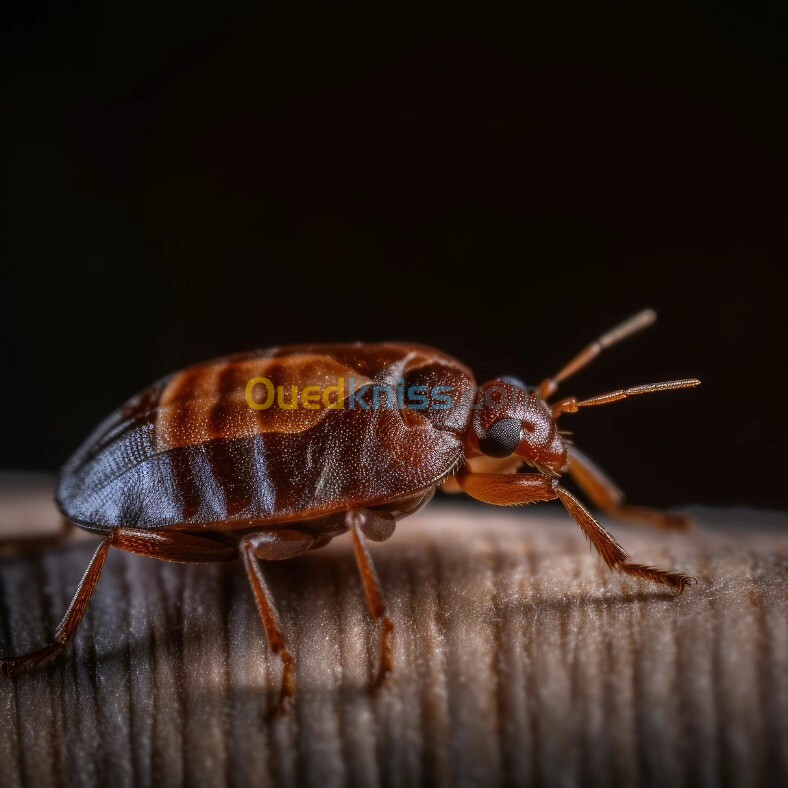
<point x="514" y="381"/>
<point x="502" y="438"/>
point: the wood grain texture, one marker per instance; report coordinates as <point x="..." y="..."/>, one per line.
<point x="519" y="659"/>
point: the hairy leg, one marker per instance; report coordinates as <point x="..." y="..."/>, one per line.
<point x="613" y="554"/>
<point x="165" y="545"/>
<point x="375" y="525"/>
<point x="508" y="489"/>
<point x="168" y="545"/>
<point x="273" y="545"/>
<point x="68" y="626"/>
<point x="514" y="489"/>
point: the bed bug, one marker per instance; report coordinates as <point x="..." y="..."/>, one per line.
<point x="193" y="470"/>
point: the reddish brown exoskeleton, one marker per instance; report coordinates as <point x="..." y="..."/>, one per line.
<point x="192" y="470"/>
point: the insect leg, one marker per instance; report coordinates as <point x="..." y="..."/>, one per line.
<point x="273" y="546"/>
<point x="169" y="545"/>
<point x="508" y="489"/>
<point x="359" y="521"/>
<point x="605" y="495"/>
<point x="483" y="464"/>
<point x="513" y="489"/>
<point x="68" y="626"/>
<point x="611" y="551"/>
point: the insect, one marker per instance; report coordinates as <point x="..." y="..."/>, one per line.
<point x="187" y="471"/>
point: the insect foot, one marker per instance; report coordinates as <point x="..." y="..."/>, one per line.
<point x="38" y="659"/>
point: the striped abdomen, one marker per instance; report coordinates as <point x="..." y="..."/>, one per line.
<point x="191" y="451"/>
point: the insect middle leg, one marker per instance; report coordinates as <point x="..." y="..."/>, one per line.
<point x="377" y="526"/>
<point x="605" y="495"/>
<point x="514" y="489"/>
<point x="273" y="545"/>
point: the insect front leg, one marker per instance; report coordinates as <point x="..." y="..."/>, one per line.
<point x="274" y="545"/>
<point x="613" y="554"/>
<point x="68" y="626"/>
<point x="375" y="525"/>
<point x="482" y="464"/>
<point x="606" y="496"/>
<point x="514" y="489"/>
<point x="508" y="489"/>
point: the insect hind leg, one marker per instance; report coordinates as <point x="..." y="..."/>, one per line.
<point x="65" y="631"/>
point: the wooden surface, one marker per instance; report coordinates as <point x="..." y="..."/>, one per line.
<point x="519" y="659"/>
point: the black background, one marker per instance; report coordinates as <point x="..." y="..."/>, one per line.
<point x="183" y="182"/>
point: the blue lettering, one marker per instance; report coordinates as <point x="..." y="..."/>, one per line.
<point x="419" y="395"/>
<point x="444" y="399"/>
<point x="355" y="396"/>
<point x="389" y="398"/>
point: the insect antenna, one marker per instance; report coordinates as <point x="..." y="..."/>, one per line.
<point x="635" y="323"/>
<point x="571" y="405"/>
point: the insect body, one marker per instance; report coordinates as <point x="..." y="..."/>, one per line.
<point x="198" y="468"/>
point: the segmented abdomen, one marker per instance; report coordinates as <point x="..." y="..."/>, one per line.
<point x="191" y="451"/>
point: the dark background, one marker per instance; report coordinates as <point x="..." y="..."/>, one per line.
<point x="182" y="182"/>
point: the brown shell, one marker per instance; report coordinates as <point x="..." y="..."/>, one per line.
<point x="189" y="451"/>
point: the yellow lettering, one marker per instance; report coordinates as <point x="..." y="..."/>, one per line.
<point x="310" y="397"/>
<point x="250" y="400"/>
<point x="280" y="397"/>
<point x="340" y="390"/>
